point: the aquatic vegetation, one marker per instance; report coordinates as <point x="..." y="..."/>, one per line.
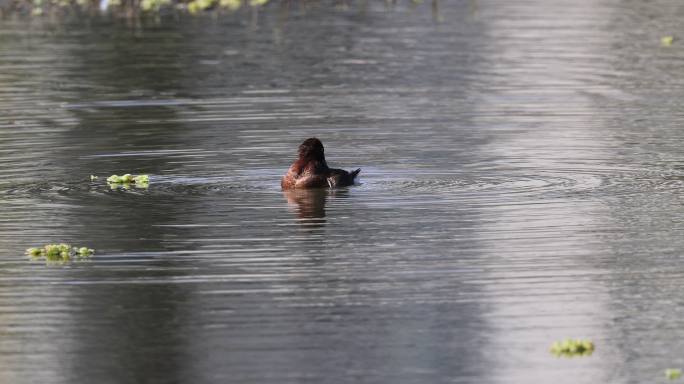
<point x="153" y="5"/>
<point x="38" y="8"/>
<point x="196" y="6"/>
<point x="60" y="253"/>
<point x="231" y="5"/>
<point x="572" y="348"/>
<point x="142" y="179"/>
<point x="137" y="8"/>
<point x="666" y="41"/>
<point x="93" y="177"/>
<point x="673" y="373"/>
<point x="125" y="181"/>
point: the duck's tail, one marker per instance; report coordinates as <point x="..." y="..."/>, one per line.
<point x="353" y="174"/>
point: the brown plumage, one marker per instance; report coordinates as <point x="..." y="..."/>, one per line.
<point x="311" y="171"/>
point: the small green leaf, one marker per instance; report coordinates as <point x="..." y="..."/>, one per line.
<point x="34" y="252"/>
<point x="666" y="41"/>
<point x="232" y="5"/>
<point x="572" y="348"/>
<point x="193" y="7"/>
<point x="673" y="373"/>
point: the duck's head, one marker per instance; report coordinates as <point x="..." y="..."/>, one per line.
<point x="311" y="149"/>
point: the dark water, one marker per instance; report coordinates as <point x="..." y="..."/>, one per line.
<point x="522" y="183"/>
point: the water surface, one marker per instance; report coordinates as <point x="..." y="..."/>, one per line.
<point x="521" y="184"/>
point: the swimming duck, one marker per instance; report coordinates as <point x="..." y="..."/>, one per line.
<point x="311" y="170"/>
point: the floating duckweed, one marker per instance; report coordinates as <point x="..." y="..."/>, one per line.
<point x="200" y="5"/>
<point x="140" y="181"/>
<point x="93" y="177"/>
<point x="39" y="8"/>
<point x="232" y="5"/>
<point x="60" y="253"/>
<point x="666" y="41"/>
<point x="153" y="5"/>
<point x="673" y="373"/>
<point x="572" y="347"/>
<point x="193" y="7"/>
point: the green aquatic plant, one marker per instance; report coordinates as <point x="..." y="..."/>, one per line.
<point x="231" y="5"/>
<point x="199" y="5"/>
<point x="59" y="253"/>
<point x="125" y="181"/>
<point x="196" y="6"/>
<point x="153" y="5"/>
<point x="572" y="348"/>
<point x="142" y="179"/>
<point x="666" y="41"/>
<point x="673" y="373"/>
<point x="138" y="8"/>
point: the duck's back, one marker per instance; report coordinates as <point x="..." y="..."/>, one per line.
<point x="341" y="178"/>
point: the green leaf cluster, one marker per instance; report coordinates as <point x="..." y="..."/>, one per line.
<point x="153" y="5"/>
<point x="673" y="373"/>
<point x="572" y="348"/>
<point x="60" y="253"/>
<point x="125" y="181"/>
<point x="196" y="6"/>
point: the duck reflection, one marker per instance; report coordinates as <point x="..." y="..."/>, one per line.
<point x="309" y="204"/>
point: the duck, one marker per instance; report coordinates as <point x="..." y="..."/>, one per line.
<point x="311" y="171"/>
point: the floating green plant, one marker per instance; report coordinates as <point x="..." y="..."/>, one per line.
<point x="60" y="253"/>
<point x="125" y="181"/>
<point x="666" y="41"/>
<point x="572" y="347"/>
<point x="673" y="373"/>
<point x="153" y="5"/>
<point x="93" y="177"/>
<point x="196" y="6"/>
<point x="231" y="5"/>
<point x="131" y="8"/>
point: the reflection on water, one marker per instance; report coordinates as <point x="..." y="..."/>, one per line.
<point x="309" y="204"/>
<point x="522" y="184"/>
